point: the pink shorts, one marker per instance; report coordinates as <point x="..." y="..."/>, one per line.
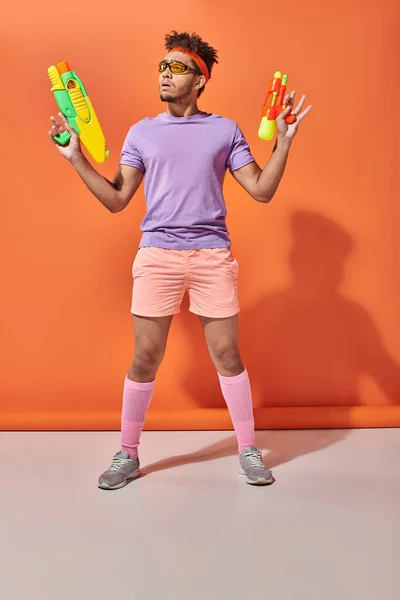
<point x="162" y="277"/>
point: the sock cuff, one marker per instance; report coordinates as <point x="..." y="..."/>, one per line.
<point x="140" y="387"/>
<point x="234" y="380"/>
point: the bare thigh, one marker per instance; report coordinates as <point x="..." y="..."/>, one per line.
<point x="151" y="334"/>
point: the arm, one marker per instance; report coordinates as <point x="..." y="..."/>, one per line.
<point x="114" y="195"/>
<point x="262" y="184"/>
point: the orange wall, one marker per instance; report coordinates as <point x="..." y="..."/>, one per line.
<point x="318" y="267"/>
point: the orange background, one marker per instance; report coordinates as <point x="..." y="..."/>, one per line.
<point x="319" y="281"/>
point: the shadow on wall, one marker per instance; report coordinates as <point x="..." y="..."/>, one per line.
<point x="305" y="345"/>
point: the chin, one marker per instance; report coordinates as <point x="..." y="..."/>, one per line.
<point x="165" y="97"/>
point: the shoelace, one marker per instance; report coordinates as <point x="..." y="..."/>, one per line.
<point x="118" y="463"/>
<point x="255" y="459"/>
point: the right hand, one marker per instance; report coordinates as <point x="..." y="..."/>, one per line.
<point x="73" y="148"/>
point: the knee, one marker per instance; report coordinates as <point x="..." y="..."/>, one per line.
<point x="146" y="360"/>
<point x="228" y="361"/>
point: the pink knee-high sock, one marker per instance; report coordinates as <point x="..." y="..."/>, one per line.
<point x="136" y="400"/>
<point x="237" y="394"/>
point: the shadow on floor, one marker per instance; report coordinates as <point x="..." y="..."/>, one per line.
<point x="282" y="446"/>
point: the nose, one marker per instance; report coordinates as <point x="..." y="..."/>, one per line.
<point x="165" y="79"/>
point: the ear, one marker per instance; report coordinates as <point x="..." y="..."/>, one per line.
<point x="201" y="80"/>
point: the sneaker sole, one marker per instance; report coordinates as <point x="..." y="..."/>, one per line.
<point x="105" y="486"/>
<point x="259" y="481"/>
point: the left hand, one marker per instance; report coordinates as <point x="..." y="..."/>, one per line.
<point x="285" y="131"/>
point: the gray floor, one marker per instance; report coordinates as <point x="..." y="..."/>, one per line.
<point x="190" y="528"/>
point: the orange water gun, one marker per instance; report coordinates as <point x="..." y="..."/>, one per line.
<point x="273" y="106"/>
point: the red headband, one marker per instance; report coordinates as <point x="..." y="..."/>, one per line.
<point x="197" y="59"/>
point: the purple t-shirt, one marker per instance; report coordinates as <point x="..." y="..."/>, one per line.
<point x="185" y="160"/>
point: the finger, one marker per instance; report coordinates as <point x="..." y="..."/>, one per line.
<point x="304" y="113"/>
<point x="286" y="99"/>
<point x="284" y="113"/>
<point x="68" y="127"/>
<point x="299" y="106"/>
<point x="291" y="97"/>
<point x="56" y="124"/>
<point x="52" y="138"/>
<point x="65" y="122"/>
<point x="56" y="131"/>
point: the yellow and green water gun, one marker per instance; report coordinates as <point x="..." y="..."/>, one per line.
<point x="76" y="106"/>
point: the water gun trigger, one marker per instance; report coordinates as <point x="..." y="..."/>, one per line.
<point x="290" y="119"/>
<point x="63" y="138"/>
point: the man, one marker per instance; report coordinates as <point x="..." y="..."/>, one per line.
<point x="183" y="155"/>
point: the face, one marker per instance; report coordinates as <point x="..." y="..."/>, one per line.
<point x="176" y="88"/>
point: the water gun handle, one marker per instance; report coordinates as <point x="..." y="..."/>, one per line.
<point x="269" y="113"/>
<point x="267" y="129"/>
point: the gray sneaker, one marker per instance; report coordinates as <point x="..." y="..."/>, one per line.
<point x="121" y="470"/>
<point x="252" y="466"/>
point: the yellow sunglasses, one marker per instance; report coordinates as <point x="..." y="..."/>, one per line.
<point x="176" y="67"/>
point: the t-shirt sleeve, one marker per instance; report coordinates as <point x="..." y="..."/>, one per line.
<point x="239" y="155"/>
<point x="130" y="154"/>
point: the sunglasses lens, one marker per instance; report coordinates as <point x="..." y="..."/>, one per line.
<point x="177" y="68"/>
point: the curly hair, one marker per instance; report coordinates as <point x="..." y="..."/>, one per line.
<point x="192" y="43"/>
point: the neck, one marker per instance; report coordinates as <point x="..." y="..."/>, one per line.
<point x="181" y="109"/>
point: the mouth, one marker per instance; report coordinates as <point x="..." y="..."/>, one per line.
<point x="166" y="86"/>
